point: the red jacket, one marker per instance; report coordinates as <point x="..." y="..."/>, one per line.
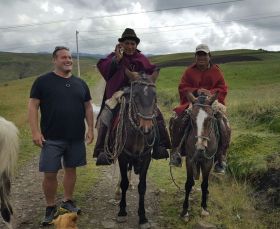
<point x="193" y="79"/>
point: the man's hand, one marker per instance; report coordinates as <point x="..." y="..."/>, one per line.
<point x="203" y="91"/>
<point x="89" y="137"/>
<point x="119" y="52"/>
<point x="38" y="139"/>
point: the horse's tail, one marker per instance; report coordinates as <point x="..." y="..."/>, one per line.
<point x="9" y="146"/>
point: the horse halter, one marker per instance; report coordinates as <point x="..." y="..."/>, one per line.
<point x="207" y="138"/>
<point x="133" y="111"/>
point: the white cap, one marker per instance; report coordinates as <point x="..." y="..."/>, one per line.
<point x="202" y="48"/>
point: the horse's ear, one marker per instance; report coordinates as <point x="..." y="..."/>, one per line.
<point x="132" y="76"/>
<point x="155" y="74"/>
<point x="213" y="97"/>
<point x="191" y="97"/>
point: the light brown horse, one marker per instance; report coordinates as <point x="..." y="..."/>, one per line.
<point x="201" y="145"/>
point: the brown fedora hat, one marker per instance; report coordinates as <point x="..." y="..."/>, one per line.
<point x="129" y="34"/>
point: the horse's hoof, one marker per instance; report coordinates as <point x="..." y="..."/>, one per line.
<point x="186" y="217"/>
<point x="145" y="225"/>
<point x="204" y="212"/>
<point x="121" y="219"/>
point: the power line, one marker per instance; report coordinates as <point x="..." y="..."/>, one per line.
<point x="196" y="25"/>
<point x="117" y="15"/>
<point x="193" y="24"/>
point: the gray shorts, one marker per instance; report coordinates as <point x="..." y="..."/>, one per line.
<point x="55" y="152"/>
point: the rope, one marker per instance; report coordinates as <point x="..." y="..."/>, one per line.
<point x="119" y="142"/>
<point x="171" y="174"/>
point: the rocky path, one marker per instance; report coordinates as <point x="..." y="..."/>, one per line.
<point x="102" y="208"/>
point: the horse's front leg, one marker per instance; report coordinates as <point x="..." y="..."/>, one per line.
<point x="143" y="221"/>
<point x="124" y="186"/>
<point x="206" y="167"/>
<point x="188" y="187"/>
<point x="118" y="186"/>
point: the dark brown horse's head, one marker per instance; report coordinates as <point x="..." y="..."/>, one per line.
<point x="143" y="97"/>
<point x="203" y="120"/>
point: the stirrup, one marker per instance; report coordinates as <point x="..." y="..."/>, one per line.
<point x="103" y="159"/>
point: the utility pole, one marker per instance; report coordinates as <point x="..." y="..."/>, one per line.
<point x="78" y="55"/>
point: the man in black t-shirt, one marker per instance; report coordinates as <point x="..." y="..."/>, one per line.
<point x="65" y="102"/>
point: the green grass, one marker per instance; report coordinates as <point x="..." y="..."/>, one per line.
<point x="234" y="212"/>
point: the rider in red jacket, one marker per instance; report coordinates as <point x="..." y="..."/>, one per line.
<point x="194" y="79"/>
<point x="201" y="77"/>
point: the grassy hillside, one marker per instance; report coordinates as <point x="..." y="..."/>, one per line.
<point x="184" y="59"/>
<point x="21" y="65"/>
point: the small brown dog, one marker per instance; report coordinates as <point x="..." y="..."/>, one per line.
<point x="66" y="221"/>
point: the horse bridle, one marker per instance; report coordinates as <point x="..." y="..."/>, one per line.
<point x="132" y="109"/>
<point x="132" y="105"/>
<point x="207" y="138"/>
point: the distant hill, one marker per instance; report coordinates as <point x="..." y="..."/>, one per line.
<point x="218" y="57"/>
<point x="21" y="65"/>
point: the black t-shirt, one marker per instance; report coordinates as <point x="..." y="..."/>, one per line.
<point x="62" y="106"/>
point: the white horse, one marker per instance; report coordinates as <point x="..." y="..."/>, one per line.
<point x="9" y="146"/>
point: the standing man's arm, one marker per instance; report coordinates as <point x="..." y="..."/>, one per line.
<point x="37" y="136"/>
<point x="90" y="122"/>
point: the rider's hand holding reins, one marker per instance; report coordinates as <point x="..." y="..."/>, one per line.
<point x="204" y="91"/>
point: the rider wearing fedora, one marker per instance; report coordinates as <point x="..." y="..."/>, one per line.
<point x="112" y="68"/>
<point x="201" y="77"/>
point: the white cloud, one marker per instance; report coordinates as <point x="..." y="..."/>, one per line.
<point x="45" y="6"/>
<point x="58" y="9"/>
<point x="251" y="24"/>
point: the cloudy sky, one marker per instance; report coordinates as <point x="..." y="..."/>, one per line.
<point x="164" y="26"/>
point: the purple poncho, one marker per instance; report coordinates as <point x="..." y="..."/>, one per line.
<point x="115" y="76"/>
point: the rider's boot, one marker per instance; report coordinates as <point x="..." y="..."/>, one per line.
<point x="225" y="135"/>
<point x="162" y="140"/>
<point x="177" y="127"/>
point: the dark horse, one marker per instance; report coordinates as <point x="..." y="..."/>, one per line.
<point x="201" y="144"/>
<point x="134" y="137"/>
<point x="8" y="157"/>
